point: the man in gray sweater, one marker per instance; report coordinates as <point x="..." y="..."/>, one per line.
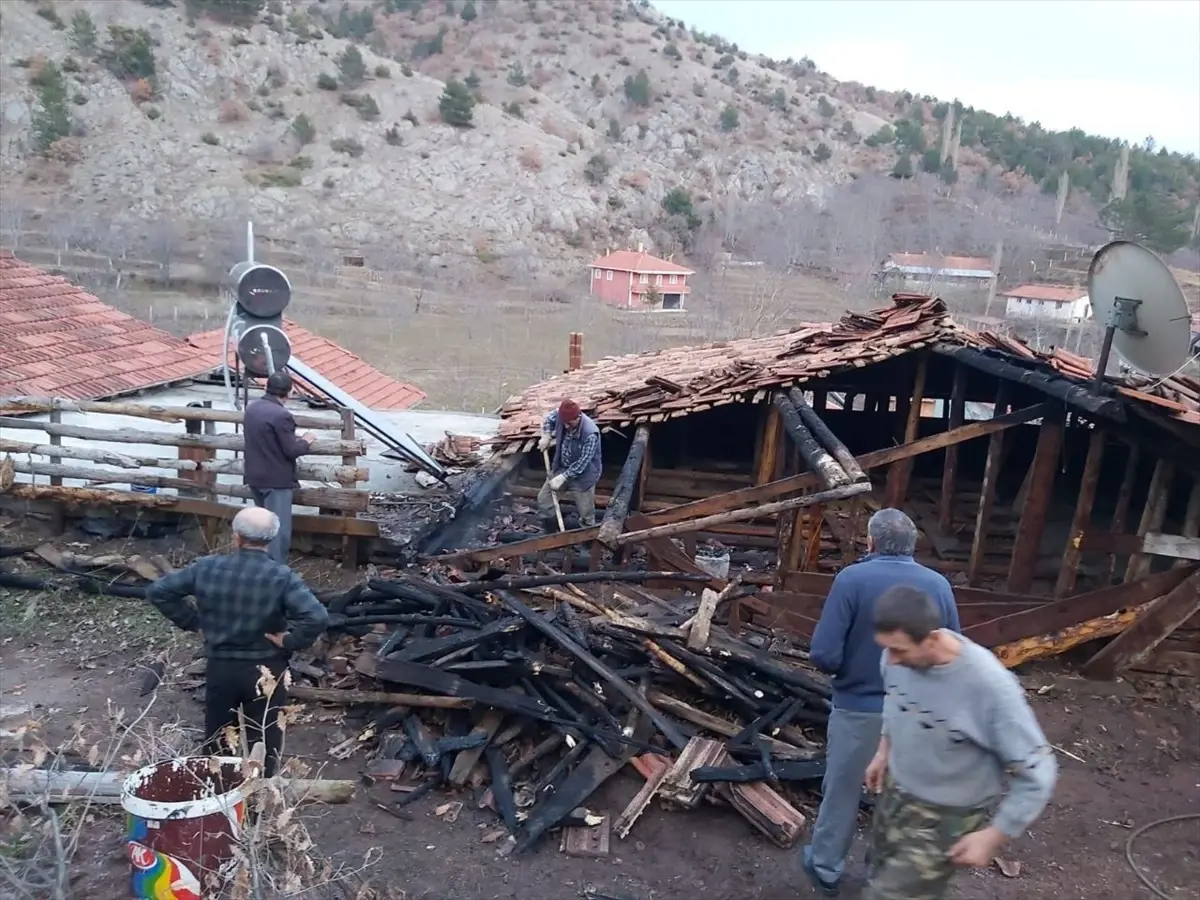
<point x="956" y="728"/>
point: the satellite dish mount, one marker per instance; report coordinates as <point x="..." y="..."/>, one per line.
<point x="1122" y="316"/>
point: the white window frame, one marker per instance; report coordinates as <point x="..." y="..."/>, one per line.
<point x="658" y="281"/>
<point x="673" y="278"/>
<point x="597" y="274"/>
<point x="608" y="275"/>
<point x="643" y="278"/>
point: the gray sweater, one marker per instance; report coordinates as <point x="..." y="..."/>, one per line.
<point x="956" y="731"/>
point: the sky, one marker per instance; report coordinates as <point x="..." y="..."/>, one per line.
<point x="1114" y="68"/>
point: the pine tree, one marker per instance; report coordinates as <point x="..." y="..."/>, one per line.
<point x="457" y="105"/>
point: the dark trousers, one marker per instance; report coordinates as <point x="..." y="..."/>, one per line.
<point x="232" y="685"/>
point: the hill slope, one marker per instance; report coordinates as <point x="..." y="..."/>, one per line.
<point x="594" y="123"/>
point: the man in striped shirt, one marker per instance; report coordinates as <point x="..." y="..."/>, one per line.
<point x="576" y="465"/>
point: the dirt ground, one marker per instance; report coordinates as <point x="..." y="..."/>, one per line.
<point x="1129" y="754"/>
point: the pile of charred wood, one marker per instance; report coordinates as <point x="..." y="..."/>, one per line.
<point x="534" y="690"/>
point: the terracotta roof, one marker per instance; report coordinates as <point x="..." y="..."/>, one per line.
<point x="664" y="384"/>
<point x="57" y="340"/>
<point x="1055" y="293"/>
<point x="353" y="375"/>
<point x="633" y="261"/>
<point x="934" y="261"/>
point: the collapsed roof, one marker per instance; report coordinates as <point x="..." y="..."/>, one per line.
<point x="680" y="381"/>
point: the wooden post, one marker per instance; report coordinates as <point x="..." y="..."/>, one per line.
<point x="198" y="455"/>
<point x="1033" y="516"/>
<point x="987" y="495"/>
<point x="58" y="518"/>
<point x="771" y="441"/>
<point x="1152" y="516"/>
<point x="1191" y="517"/>
<point x="957" y="414"/>
<point x="899" y="474"/>
<point x="622" y="492"/>
<point x="350" y="543"/>
<point x="1124" y="495"/>
<point x="1153" y="625"/>
<point x="825" y="437"/>
<point x="1083" y="515"/>
<point x="818" y="401"/>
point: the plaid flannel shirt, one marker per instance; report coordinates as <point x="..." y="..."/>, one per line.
<point x="577" y="452"/>
<point x="241" y="597"/>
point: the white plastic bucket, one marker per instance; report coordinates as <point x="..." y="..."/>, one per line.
<point x="715" y="563"/>
<point x="183" y="819"/>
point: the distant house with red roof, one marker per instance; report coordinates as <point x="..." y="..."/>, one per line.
<point x="1060" y="303"/>
<point x="633" y="279"/>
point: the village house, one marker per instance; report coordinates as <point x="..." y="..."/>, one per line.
<point x="633" y="279"/>
<point x="1058" y="303"/>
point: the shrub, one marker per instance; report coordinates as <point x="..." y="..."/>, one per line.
<point x="671" y="51"/>
<point x="285" y="177"/>
<point x="368" y="109"/>
<point x="327" y="82"/>
<point x="516" y="75"/>
<point x="232" y="111"/>
<point x="48" y="13"/>
<point x="824" y="107"/>
<point x="153" y="112"/>
<point x="302" y="163"/>
<point x="349" y="146"/>
<point x="382" y="71"/>
<point x="456" y="105"/>
<point x="472" y="80"/>
<point x="303" y="130"/>
<point x="468" y="14"/>
<point x="351" y="66"/>
<point x="235" y="12"/>
<point x="730" y="119"/>
<point x="531" y="159"/>
<point x="141" y="91"/>
<point x="406" y="70"/>
<point x="903" y="167"/>
<point x="637" y="88"/>
<point x="51" y="116"/>
<point x="209" y="138"/>
<point x="597" y="169"/>
<point x="83" y="33"/>
<point x="884" y="135"/>
<point x="392" y="136"/>
<point x="614" y="130"/>
<point x="931" y="161"/>
<point x="513" y="108"/>
<point x="822" y="152"/>
<point x="130" y="53"/>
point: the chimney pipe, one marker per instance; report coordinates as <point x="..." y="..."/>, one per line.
<point x="641" y="247"/>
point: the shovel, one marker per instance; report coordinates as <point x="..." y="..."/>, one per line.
<point x="553" y="494"/>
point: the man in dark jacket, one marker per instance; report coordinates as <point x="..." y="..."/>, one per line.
<point x="844" y="646"/>
<point x="272" y="449"/>
<point x="253" y="613"/>
<point x="576" y="465"/>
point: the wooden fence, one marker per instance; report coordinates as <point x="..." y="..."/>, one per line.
<point x="190" y="475"/>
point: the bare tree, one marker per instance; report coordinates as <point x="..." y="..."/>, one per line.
<point x="14" y="216"/>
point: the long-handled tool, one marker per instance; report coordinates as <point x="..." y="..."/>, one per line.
<point x="553" y="494"/>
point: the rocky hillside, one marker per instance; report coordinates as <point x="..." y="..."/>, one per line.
<point x="480" y="127"/>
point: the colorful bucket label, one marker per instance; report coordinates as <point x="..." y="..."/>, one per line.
<point x="159" y="877"/>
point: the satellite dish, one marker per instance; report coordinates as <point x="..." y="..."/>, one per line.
<point x="1139" y="303"/>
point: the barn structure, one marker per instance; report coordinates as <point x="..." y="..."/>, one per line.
<point x="1061" y="514"/>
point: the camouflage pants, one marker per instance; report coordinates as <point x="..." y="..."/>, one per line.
<point x="910" y="839"/>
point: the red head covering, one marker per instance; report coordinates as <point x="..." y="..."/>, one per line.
<point x="568" y="410"/>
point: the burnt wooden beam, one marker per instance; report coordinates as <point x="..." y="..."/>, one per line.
<point x="502" y="789"/>
<point x="1082" y="518"/>
<point x="843" y="492"/>
<point x="534" y="581"/>
<point x="830" y="441"/>
<point x="1072" y="611"/>
<point x="1032" y="524"/>
<point x="431" y="679"/>
<point x="760" y="493"/>
<point x="814" y="455"/>
<point x="957" y="416"/>
<point x="987" y="495"/>
<point x="900" y="472"/>
<point x="1191" y="515"/>
<point x="1153" y="513"/>
<point x="434" y="648"/>
<point x="620" y="685"/>
<point x="1155" y="624"/>
<point x="623" y="491"/>
<point x="802" y="770"/>
<point x="1124" y="495"/>
<point x="770" y="445"/>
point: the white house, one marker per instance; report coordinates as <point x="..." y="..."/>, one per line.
<point x="1066" y="305"/>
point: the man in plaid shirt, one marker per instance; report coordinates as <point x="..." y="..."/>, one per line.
<point x="253" y="612"/>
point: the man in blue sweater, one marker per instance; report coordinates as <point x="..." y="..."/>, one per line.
<point x="844" y="646"/>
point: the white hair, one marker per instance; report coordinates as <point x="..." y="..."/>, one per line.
<point x="893" y="532"/>
<point x="256" y="525"/>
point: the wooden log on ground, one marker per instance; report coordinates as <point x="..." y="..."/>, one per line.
<point x="759" y="493"/>
<point x="839" y="493"/>
<point x="818" y="459"/>
<point x="305" y="470"/>
<point x="1153" y="625"/>
<point x="36" y="785"/>
<point x="11" y="406"/>
<point x="326" y="447"/>
<point x="348" y="499"/>
<point x="720" y="726"/>
<point x="346" y="697"/>
<point x="1045" y="646"/>
<point x="618" y="505"/>
<point x="825" y="436"/>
